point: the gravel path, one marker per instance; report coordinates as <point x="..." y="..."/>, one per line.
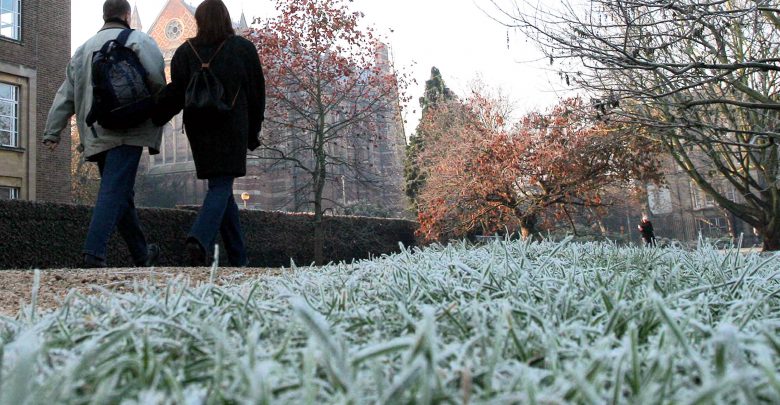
<point x="16" y="286"/>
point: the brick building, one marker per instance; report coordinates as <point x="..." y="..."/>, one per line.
<point x="169" y="178"/>
<point x="34" y="50"/>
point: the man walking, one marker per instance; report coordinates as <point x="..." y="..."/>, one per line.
<point x="117" y="152"/>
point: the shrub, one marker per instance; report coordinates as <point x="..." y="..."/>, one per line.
<point x="37" y="235"/>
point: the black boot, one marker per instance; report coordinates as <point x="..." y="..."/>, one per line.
<point x="152" y="256"/>
<point x="196" y="255"/>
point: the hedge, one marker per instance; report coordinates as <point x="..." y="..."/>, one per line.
<point x="43" y="235"/>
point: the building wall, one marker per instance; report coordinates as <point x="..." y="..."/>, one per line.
<point x="689" y="213"/>
<point x="36" y="63"/>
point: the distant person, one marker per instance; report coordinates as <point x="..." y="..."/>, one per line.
<point x="219" y="137"/>
<point x="117" y="152"/>
<point x="646" y="229"/>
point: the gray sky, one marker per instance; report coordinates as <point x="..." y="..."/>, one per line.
<point x="453" y="35"/>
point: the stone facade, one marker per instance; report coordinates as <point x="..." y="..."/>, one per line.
<point x="170" y="180"/>
<point x="34" y="52"/>
<point x="680" y="210"/>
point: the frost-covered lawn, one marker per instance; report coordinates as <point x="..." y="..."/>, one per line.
<point x="501" y="323"/>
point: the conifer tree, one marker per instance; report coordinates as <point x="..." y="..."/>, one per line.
<point x="436" y="93"/>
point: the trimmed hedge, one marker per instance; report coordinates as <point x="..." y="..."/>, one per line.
<point x="38" y="235"/>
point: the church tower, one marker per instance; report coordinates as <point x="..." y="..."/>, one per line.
<point x="135" y="20"/>
<point x="242" y="24"/>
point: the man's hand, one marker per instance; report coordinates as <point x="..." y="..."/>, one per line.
<point x="51" y="144"/>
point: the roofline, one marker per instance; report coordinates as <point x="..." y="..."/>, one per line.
<point x="157" y="19"/>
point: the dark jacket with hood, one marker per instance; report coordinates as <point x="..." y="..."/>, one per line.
<point x="219" y="141"/>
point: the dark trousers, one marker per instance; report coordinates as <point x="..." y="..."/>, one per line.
<point x="114" y="207"/>
<point x="219" y="213"/>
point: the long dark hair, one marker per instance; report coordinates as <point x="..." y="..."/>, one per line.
<point x="214" y="23"/>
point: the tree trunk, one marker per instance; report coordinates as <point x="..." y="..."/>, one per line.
<point x="319" y="240"/>
<point x="320" y="174"/>
<point x="319" y="229"/>
<point x="528" y="227"/>
<point x="602" y="228"/>
<point x="771" y="239"/>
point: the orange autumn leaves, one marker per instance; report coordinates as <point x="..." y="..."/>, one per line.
<point x="485" y="174"/>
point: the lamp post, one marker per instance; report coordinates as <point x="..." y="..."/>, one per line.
<point x="343" y="191"/>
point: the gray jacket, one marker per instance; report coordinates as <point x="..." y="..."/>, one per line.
<point x="75" y="96"/>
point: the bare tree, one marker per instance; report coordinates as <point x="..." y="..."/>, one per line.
<point x="702" y="75"/>
<point x="331" y="96"/>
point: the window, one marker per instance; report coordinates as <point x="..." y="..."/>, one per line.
<point x="701" y="200"/>
<point x="174" y="30"/>
<point x="9" y="115"/>
<point x="713" y="227"/>
<point x="9" y="193"/>
<point x="10" y="19"/>
<point x="729" y="191"/>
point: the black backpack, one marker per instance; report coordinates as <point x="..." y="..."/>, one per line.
<point x="121" y="97"/>
<point x="205" y="93"/>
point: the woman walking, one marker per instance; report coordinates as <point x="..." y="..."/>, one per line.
<point x="646" y="230"/>
<point x="219" y="137"/>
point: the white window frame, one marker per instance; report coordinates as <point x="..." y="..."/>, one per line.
<point x="16" y="25"/>
<point x="701" y="200"/>
<point x="729" y="191"/>
<point x="13" y="192"/>
<point x="14" y="141"/>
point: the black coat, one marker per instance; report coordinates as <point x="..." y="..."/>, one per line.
<point x="219" y="142"/>
<point x="646" y="229"/>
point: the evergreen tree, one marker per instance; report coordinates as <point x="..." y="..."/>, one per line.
<point x="436" y="92"/>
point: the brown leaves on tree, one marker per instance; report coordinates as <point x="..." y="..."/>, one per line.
<point x="485" y="175"/>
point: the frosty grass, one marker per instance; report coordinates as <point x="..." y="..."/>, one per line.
<point x="507" y="322"/>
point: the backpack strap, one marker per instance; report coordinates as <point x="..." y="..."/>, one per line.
<point x="235" y="98"/>
<point x="222" y="45"/>
<point x="206" y="65"/>
<point x="123" y="36"/>
<point x="121" y="40"/>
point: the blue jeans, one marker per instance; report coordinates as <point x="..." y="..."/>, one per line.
<point x="114" y="207"/>
<point x="219" y="213"/>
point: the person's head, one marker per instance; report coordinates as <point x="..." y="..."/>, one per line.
<point x="644" y="218"/>
<point x="214" y="23"/>
<point x="116" y="9"/>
